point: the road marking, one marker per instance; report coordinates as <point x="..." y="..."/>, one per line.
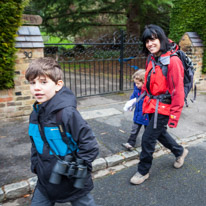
<point x="99" y="113"/>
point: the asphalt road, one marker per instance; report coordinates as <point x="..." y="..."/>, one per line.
<point x="165" y="187"/>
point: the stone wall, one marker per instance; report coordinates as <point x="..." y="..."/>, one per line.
<point x="193" y="46"/>
<point x="17" y="103"/>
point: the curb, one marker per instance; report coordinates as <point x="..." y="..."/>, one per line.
<point x="101" y="167"/>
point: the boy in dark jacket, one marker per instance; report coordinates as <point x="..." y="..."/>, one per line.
<point x="48" y="145"/>
<point x="139" y="119"/>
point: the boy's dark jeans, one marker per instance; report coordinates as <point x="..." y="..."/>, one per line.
<point x="39" y="199"/>
<point x="149" y="140"/>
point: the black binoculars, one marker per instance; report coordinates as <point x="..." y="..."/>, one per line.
<point x="70" y="167"/>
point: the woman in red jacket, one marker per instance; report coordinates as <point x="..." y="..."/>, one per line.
<point x="164" y="99"/>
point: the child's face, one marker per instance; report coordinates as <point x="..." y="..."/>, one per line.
<point x="138" y="83"/>
<point x="43" y="88"/>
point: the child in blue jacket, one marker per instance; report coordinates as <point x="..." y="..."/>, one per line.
<point x="139" y="119"/>
<point x="48" y="146"/>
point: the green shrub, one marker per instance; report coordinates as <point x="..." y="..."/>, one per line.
<point x="56" y="40"/>
<point x="189" y="16"/>
<point x="10" y="18"/>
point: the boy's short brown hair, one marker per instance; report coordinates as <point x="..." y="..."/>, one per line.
<point x="46" y="66"/>
<point x="139" y="75"/>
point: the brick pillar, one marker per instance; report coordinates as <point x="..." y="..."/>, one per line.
<point x="193" y="46"/>
<point x="17" y="103"/>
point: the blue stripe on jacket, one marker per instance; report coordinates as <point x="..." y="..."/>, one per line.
<point x="54" y="139"/>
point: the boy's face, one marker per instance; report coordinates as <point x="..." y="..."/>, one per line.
<point x="138" y="83"/>
<point x="43" y="88"/>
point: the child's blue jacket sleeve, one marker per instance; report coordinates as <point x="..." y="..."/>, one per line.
<point x="139" y="118"/>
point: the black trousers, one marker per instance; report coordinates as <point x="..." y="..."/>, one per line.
<point x="149" y="140"/>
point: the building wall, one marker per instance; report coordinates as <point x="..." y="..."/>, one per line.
<point x="17" y="103"/>
<point x="192" y="45"/>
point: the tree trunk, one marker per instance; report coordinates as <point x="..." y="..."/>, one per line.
<point x="133" y="26"/>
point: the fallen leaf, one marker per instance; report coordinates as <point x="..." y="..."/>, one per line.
<point x="112" y="172"/>
<point x="121" y="131"/>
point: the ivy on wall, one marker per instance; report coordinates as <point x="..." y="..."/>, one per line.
<point x="10" y="20"/>
<point x="189" y="16"/>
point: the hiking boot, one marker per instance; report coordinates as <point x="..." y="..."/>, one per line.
<point x="138" y="178"/>
<point x="180" y="160"/>
<point x="128" y="146"/>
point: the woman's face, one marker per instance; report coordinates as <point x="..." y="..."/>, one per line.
<point x="153" y="46"/>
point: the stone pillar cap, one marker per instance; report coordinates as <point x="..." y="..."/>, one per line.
<point x="29" y="37"/>
<point x="194" y="38"/>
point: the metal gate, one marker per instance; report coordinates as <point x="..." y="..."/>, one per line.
<point x="98" y="67"/>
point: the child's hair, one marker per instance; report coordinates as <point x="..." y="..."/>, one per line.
<point x="139" y="75"/>
<point x="46" y="66"/>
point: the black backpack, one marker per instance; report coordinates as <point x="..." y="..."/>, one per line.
<point x="189" y="71"/>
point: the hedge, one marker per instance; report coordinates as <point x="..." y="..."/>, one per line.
<point x="189" y="16"/>
<point x="10" y="19"/>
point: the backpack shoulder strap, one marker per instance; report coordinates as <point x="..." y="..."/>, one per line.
<point x="141" y="96"/>
<point x="61" y="127"/>
<point x="164" y="62"/>
<point x="59" y="116"/>
<point x="174" y="54"/>
<point x="43" y="136"/>
<point x="62" y="131"/>
<point x="148" y="60"/>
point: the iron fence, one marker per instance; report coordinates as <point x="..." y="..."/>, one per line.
<point x="103" y="66"/>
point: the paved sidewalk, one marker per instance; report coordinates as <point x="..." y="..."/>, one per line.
<point x="111" y="126"/>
